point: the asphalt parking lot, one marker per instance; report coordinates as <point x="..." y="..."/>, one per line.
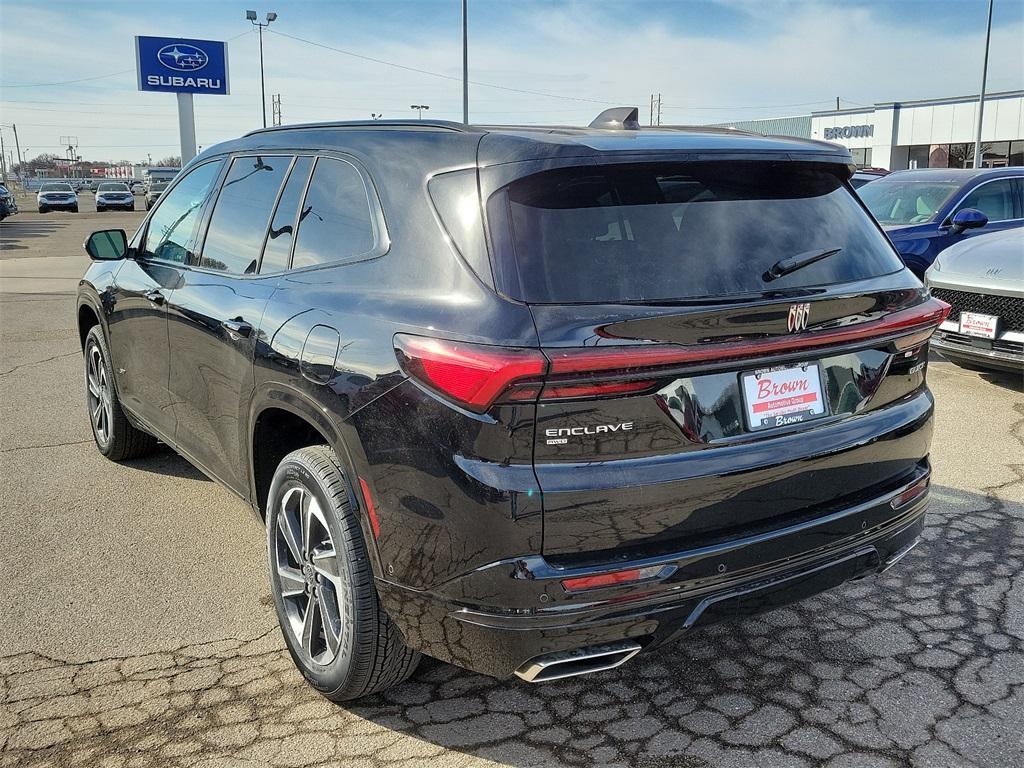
<point x="136" y="627"/>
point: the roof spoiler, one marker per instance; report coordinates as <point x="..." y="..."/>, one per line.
<point x="618" y="118"/>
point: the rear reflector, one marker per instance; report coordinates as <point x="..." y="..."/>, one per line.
<point x="476" y="376"/>
<point x="582" y="583"/>
<point x="371" y="511"/>
<point x="914" y="492"/>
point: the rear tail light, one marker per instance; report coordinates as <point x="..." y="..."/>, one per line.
<point x="477" y="376"/>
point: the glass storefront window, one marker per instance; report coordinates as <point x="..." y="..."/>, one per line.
<point x="961" y="155"/>
<point x="861" y="157"/>
<point x="1017" y="153"/>
<point x="938" y="156"/>
<point x="918" y="157"/>
<point x="995" y="155"/>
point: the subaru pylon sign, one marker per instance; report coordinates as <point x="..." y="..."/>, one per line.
<point x="177" y="65"/>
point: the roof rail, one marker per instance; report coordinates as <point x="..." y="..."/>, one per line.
<point x="434" y="124"/>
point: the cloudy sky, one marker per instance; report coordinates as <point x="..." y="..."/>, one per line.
<point x="559" y="61"/>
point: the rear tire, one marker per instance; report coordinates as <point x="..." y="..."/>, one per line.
<point x="115" y="436"/>
<point x="338" y="635"/>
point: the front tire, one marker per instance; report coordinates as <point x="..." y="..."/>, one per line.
<point x="338" y="635"/>
<point x="43" y="210"/>
<point x="115" y="436"/>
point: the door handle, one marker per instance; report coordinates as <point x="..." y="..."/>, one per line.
<point x="237" y="328"/>
<point x="156" y="297"/>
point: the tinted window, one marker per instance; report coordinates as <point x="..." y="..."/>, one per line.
<point x="240" y="218"/>
<point x="280" y="236"/>
<point x="662" y="232"/>
<point x="907" y="202"/>
<point x="994" y="199"/>
<point x="174" y="221"/>
<point x="335" y="221"/>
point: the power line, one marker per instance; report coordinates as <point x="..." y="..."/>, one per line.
<point x="439" y="74"/>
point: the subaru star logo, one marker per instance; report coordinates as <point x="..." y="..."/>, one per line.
<point x="182" y="57"/>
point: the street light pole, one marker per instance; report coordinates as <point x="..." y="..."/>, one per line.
<point x="981" y="97"/>
<point x="271" y="17"/>
<point x="465" y="65"/>
<point x="419" y="108"/>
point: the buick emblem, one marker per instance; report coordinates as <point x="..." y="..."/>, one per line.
<point x="799" y="314"/>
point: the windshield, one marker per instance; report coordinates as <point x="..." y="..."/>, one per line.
<point x="906" y="202"/>
<point x="657" y="232"/>
<point x="112" y="187"/>
<point x="56" y="188"/>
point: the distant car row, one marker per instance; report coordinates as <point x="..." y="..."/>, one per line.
<point x="60" y="196"/>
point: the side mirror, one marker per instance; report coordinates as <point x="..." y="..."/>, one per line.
<point x="968" y="218"/>
<point x="107" y="245"/>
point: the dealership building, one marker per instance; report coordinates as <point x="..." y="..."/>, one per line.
<point x="929" y="133"/>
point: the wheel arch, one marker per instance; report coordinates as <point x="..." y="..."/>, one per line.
<point x="283" y="419"/>
<point x="88" y="317"/>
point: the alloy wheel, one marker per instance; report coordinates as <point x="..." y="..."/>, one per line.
<point x="309" y="583"/>
<point x="100" y="395"/>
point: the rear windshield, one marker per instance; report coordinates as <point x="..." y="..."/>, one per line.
<point x="656" y="232"/>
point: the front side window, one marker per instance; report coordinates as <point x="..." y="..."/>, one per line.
<point x="335" y="220"/>
<point x="240" y="217"/>
<point x="994" y="199"/>
<point x="656" y="232"/>
<point x="173" y="223"/>
<point x="906" y="202"/>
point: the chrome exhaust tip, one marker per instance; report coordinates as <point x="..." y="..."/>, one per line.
<point x="899" y="555"/>
<point x="581" y="661"/>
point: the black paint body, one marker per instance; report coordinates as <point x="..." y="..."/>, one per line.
<point x="480" y="519"/>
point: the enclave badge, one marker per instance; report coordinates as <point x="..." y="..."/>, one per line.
<point x="799" y="314"/>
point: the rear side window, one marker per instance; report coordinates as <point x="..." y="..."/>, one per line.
<point x="994" y="199"/>
<point x="656" y="232"/>
<point x="241" y="214"/>
<point x="282" y="228"/>
<point x="335" y="221"/>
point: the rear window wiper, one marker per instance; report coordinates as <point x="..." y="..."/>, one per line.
<point x="789" y="264"/>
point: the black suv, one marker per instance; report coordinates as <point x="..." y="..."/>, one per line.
<point x="527" y="400"/>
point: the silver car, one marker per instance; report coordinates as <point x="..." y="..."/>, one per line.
<point x="983" y="279"/>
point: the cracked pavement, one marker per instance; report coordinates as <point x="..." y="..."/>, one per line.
<point x="136" y="627"/>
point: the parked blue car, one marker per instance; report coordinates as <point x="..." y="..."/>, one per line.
<point x="925" y="211"/>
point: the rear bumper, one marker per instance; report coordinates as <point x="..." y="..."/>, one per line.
<point x="497" y="619"/>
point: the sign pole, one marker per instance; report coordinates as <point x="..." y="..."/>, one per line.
<point x="186" y="127"/>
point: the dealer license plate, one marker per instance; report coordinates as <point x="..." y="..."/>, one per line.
<point x="977" y="324"/>
<point x="776" y="397"/>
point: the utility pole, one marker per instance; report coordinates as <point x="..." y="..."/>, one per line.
<point x="21" y="171"/>
<point x="981" y="98"/>
<point x="837" y="103"/>
<point x="465" y="65"/>
<point x="656" y="110"/>
<point x="651" y="122"/>
<point x="275" y="106"/>
<point x="3" y="159"/>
